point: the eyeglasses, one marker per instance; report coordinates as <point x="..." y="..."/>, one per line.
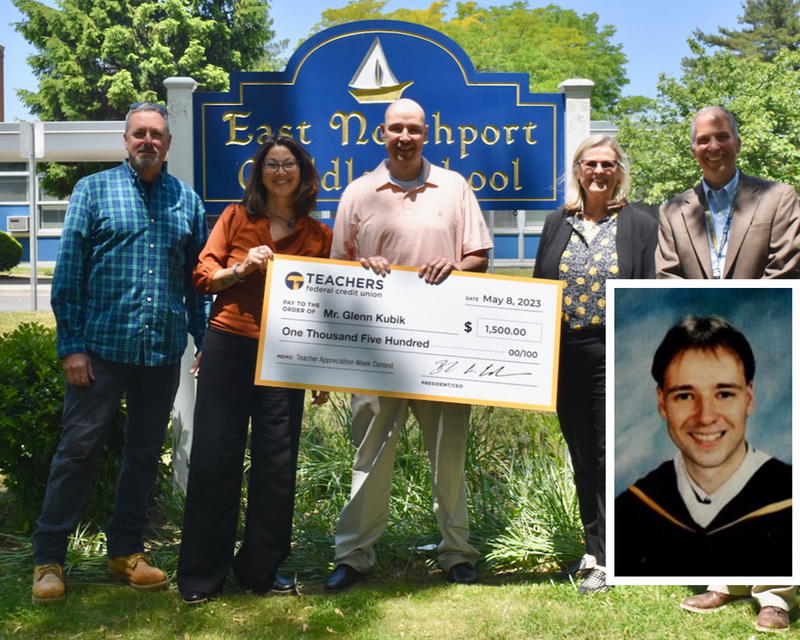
<point x="148" y="106"/>
<point x="607" y="165"/>
<point x="287" y="165"/>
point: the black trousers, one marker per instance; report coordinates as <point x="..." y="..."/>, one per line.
<point x="582" y="415"/>
<point x="227" y="401"/>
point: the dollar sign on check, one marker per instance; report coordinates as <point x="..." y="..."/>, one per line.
<point x="467" y="327"/>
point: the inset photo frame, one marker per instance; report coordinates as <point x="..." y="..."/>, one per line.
<point x="700" y="410"/>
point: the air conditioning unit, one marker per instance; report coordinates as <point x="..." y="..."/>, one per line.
<point x="17" y="224"/>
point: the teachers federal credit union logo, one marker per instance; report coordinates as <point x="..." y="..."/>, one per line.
<point x="295" y="281"/>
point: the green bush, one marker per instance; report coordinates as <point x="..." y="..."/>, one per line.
<point x="31" y="402"/>
<point x="522" y="506"/>
<point x="521" y="501"/>
<point x="10" y="252"/>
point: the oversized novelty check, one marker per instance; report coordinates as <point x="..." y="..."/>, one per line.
<point x="474" y="338"/>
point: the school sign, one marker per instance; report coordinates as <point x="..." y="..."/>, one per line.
<point x="507" y="142"/>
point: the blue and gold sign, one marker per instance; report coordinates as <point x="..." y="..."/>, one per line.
<point x="506" y="141"/>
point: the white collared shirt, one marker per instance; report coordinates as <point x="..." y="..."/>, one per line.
<point x="704" y="507"/>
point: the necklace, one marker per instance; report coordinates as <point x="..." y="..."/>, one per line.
<point x="590" y="219"/>
<point x="289" y="222"/>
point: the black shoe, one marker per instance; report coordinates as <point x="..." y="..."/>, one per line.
<point x="462" y="573"/>
<point x="283" y="586"/>
<point x="343" y="576"/>
<point x="194" y="597"/>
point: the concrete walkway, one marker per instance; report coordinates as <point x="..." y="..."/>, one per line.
<point x="15" y="293"/>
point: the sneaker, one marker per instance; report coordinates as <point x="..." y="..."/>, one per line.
<point x="137" y="572"/>
<point x="595" y="582"/>
<point x="772" y="619"/>
<point x="48" y="584"/>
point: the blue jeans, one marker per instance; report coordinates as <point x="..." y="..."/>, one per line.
<point x="88" y="415"/>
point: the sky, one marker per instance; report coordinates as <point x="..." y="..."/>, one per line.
<point x="653" y="35"/>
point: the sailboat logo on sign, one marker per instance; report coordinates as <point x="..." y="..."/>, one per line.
<point x="374" y="81"/>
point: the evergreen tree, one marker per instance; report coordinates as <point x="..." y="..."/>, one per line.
<point x="771" y="25"/>
<point x="96" y="57"/>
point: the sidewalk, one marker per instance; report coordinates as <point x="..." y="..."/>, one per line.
<point x="15" y="293"/>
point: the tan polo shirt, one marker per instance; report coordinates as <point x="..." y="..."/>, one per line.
<point x="439" y="218"/>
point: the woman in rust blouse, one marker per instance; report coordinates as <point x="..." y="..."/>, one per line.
<point x="273" y="217"/>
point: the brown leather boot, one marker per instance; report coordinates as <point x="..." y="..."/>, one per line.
<point x="48" y="584"/>
<point x="137" y="572"/>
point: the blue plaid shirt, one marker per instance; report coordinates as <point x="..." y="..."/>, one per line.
<point x="122" y="286"/>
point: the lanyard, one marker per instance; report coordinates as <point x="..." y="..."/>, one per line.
<point x="719" y="251"/>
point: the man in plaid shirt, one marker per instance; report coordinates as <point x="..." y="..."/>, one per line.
<point x="123" y="301"/>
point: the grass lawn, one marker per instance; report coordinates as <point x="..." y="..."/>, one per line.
<point x="26" y="271"/>
<point x="422" y="606"/>
<point x="514" y="271"/>
<point x="9" y="320"/>
<point x="404" y="599"/>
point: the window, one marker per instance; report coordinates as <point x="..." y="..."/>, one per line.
<point x="504" y="219"/>
<point x="536" y="218"/>
<point x="51" y="216"/>
<point x="13" y="187"/>
<point x="14" y="191"/>
<point x="517" y="220"/>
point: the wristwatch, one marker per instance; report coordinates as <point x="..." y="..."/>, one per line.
<point x="235" y="274"/>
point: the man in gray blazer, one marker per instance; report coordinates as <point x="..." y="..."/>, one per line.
<point x="731" y="225"/>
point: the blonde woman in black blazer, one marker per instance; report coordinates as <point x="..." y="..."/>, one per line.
<point x="596" y="236"/>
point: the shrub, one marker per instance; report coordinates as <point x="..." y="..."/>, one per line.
<point x="524" y="491"/>
<point x="522" y="506"/>
<point x="10" y="251"/>
<point x="31" y="402"/>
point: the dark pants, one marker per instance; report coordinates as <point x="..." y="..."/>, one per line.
<point x="88" y="416"/>
<point x="227" y="400"/>
<point x="582" y="414"/>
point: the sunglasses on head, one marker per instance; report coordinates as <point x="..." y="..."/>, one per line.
<point x="150" y="105"/>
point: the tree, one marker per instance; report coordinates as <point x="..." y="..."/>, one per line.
<point x="774" y="25"/>
<point x="96" y="57"/>
<point x="763" y="95"/>
<point x="549" y="43"/>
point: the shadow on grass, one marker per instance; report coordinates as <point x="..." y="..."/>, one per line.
<point x="101" y="608"/>
<point x="418" y="605"/>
